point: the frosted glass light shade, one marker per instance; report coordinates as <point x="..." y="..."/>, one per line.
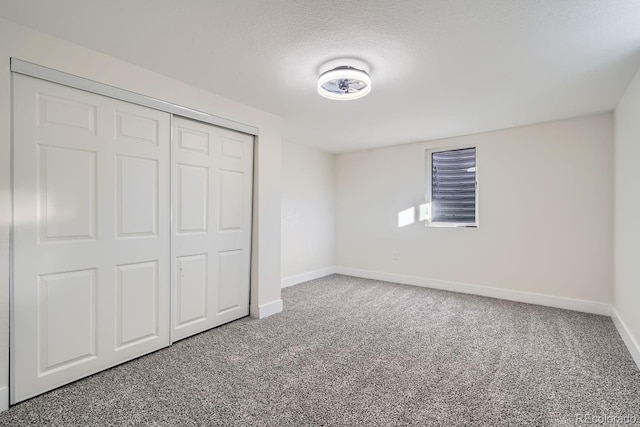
<point x="344" y="83"/>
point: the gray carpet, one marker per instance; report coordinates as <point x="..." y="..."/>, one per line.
<point x="356" y="352"/>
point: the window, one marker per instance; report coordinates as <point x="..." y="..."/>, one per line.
<point x="452" y="197"/>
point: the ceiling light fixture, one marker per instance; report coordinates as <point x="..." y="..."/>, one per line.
<point x="344" y="83"/>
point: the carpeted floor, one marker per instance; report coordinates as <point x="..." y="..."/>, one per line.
<point x="357" y="352"/>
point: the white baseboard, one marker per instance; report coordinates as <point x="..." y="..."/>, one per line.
<point x="506" y="294"/>
<point x="266" y="310"/>
<point x="305" y="277"/>
<point x="4" y="398"/>
<point x="625" y="334"/>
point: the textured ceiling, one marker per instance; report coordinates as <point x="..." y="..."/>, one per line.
<point x="439" y="68"/>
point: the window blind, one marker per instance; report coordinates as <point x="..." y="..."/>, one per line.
<point x="453" y="186"/>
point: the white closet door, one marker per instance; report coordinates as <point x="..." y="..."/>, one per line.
<point x="211" y="245"/>
<point x="91" y="234"/>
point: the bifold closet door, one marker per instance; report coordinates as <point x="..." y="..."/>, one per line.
<point x="91" y="236"/>
<point x="211" y="243"/>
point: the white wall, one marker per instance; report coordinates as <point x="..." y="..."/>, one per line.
<point x="545" y="212"/>
<point x="308" y="210"/>
<point x="20" y="42"/>
<point x="627" y="211"/>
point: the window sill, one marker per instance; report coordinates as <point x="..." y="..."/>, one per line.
<point x="450" y="225"/>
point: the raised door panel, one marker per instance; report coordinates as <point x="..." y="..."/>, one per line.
<point x="231" y="281"/>
<point x="67" y="190"/>
<point x="67" y="336"/>
<point x="231" y="200"/>
<point x="136" y="197"/>
<point x="135" y="128"/>
<point x="233" y="149"/>
<point x="137" y="303"/>
<point x="192" y="275"/>
<point x="193" y="199"/>
<point x="72" y="113"/>
<point x="192" y="140"/>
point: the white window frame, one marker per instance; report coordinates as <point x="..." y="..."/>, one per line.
<point x="426" y="213"/>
